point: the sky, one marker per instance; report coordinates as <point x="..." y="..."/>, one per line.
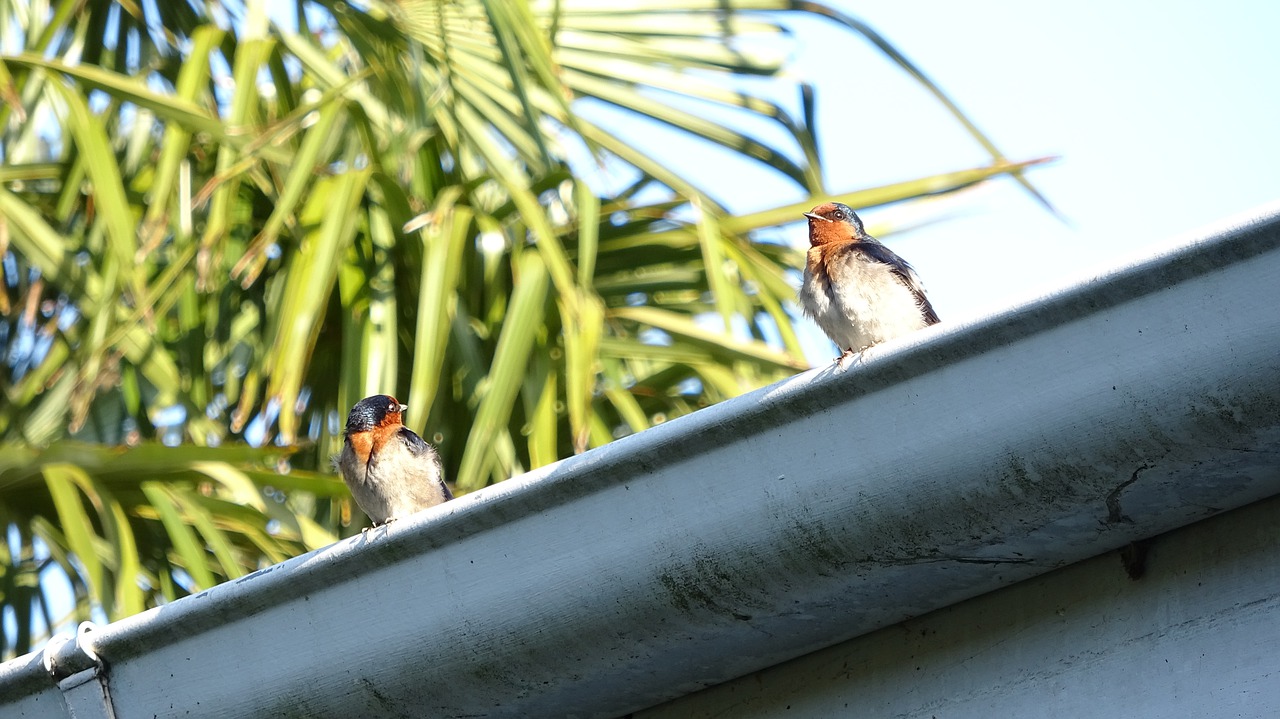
<point x="1165" y="117"/>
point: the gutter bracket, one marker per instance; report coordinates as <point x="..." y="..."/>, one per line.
<point x="81" y="676"/>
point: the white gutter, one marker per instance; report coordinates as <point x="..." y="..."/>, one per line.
<point x="963" y="459"/>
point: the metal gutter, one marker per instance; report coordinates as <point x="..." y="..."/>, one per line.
<point x="960" y="460"/>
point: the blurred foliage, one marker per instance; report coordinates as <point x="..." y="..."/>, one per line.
<point x="221" y="227"/>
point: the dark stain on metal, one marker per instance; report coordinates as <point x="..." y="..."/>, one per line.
<point x="705" y="585"/>
<point x="1114" y="513"/>
<point x="384" y="701"/>
<point x="1134" y="558"/>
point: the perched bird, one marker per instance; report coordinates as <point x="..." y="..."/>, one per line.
<point x="858" y="291"/>
<point x="390" y="470"/>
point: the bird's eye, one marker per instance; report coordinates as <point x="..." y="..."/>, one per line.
<point x="838" y="214"/>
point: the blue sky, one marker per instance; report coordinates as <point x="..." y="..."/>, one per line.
<point x="1166" y="117"/>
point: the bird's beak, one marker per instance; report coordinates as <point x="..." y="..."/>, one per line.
<point x="812" y="216"/>
<point x="404" y="407"/>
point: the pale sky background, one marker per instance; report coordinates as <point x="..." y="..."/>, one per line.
<point x="1166" y="117"/>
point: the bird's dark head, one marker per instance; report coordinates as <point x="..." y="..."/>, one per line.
<point x="379" y="410"/>
<point x="834" y="222"/>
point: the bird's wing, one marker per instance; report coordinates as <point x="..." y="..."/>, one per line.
<point x="902" y="270"/>
<point x="418" y="447"/>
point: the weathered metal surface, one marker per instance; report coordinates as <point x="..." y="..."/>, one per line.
<point x="1195" y="636"/>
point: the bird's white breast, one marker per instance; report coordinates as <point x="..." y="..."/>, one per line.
<point x="394" y="483"/>
<point x="858" y="302"/>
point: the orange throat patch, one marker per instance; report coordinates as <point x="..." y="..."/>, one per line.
<point x="380" y="435"/>
<point x="362" y="445"/>
<point x="819" y="257"/>
<point x="822" y="233"/>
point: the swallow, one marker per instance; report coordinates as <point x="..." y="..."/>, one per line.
<point x="859" y="292"/>
<point x="390" y="470"/>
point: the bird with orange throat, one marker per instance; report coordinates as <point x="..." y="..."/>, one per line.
<point x="390" y="470"/>
<point x="859" y="292"/>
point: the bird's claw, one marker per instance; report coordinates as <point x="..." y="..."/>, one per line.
<point x="848" y="358"/>
<point x="383" y="523"/>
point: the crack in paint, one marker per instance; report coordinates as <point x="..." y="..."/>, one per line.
<point x="1114" y="513"/>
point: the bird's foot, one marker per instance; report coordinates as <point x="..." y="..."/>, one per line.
<point x="383" y="523"/>
<point x="849" y="358"/>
